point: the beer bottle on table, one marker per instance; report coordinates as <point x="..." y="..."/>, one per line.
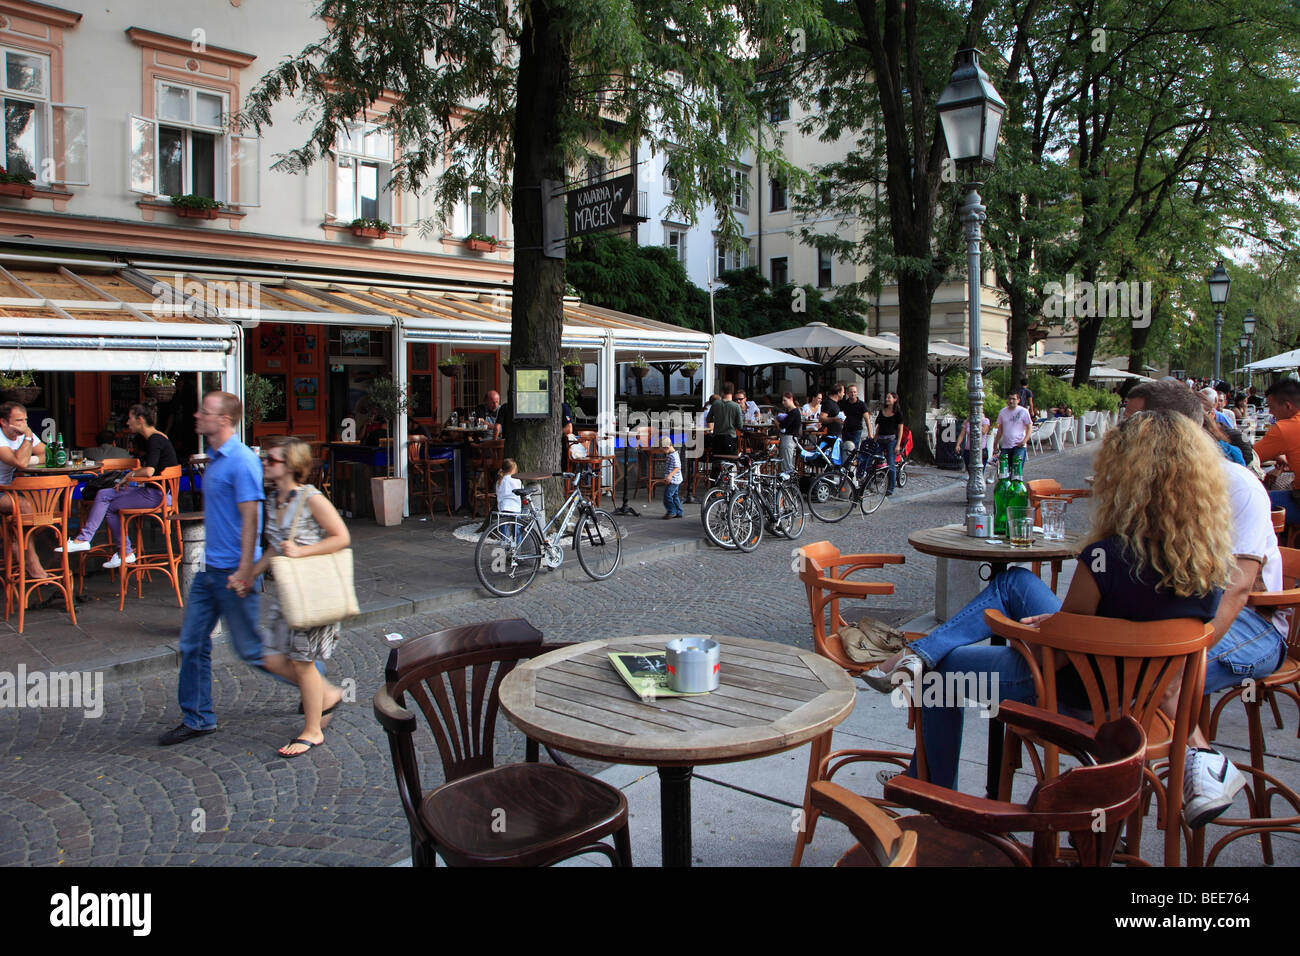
<point x="1000" y="493"/>
<point x="60" y="453"/>
<point x="49" y="454"/>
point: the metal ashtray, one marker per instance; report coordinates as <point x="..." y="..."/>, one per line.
<point x="693" y="665"/>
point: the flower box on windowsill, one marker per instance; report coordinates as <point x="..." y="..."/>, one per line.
<point x="481" y="245"/>
<point x="369" y="232"/>
<point x="189" y="212"/>
<point x="17" y="190"/>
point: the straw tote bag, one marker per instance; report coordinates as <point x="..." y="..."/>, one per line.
<point x="315" y="590"/>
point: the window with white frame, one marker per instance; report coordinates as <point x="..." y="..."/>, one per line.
<point x="187" y="149"/>
<point x="740" y="190"/>
<point x="671" y="181"/>
<point x="780" y="111"/>
<point x="780" y="271"/>
<point x="363" y="166"/>
<point x="778" y="195"/>
<point x="823" y="269"/>
<point x="730" y="257"/>
<point x="47" y="141"/>
<point x="675" y="240"/>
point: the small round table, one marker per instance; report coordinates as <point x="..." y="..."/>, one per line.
<point x="87" y="468"/>
<point x="952" y="541"/>
<point x="772" y="697"/>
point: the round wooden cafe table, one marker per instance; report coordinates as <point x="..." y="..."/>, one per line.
<point x="87" y="468"/>
<point x="772" y="697"/>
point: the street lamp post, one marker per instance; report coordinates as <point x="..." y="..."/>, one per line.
<point x="1248" y="333"/>
<point x="971" y="112"/>
<point x="1218" y="282"/>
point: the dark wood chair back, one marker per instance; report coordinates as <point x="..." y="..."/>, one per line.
<point x="880" y="841"/>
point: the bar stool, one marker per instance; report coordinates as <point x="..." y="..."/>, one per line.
<point x="109" y="547"/>
<point x="49" y="499"/>
<point x="167" y="514"/>
<point x="489" y="455"/>
<point x="427" y="468"/>
<point x="603" y="467"/>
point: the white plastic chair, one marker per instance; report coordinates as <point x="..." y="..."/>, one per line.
<point x="1065" y="432"/>
<point x="1044" y="432"/>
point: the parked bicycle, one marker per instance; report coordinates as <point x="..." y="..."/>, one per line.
<point x="514" y="547"/>
<point x="764" y="501"/>
<point x="860" y="481"/>
<point x="713" y="506"/>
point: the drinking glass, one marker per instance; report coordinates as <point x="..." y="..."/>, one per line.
<point x="1020" y="527"/>
<point x="1053" y="512"/>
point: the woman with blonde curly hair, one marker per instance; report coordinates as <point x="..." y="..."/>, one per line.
<point x="1160" y="548"/>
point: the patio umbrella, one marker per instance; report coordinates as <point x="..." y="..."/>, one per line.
<point x="1104" y="373"/>
<point x="1274" y="363"/>
<point x="729" y="350"/>
<point x="1053" y="360"/>
<point x="827" y="346"/>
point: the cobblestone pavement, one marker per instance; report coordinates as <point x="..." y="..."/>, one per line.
<point x="100" y="791"/>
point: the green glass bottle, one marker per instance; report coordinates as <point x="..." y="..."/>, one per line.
<point x="49" y="454"/>
<point x="60" y="453"/>
<point x="1018" y="491"/>
<point x="1000" y="492"/>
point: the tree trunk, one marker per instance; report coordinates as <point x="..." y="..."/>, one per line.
<point x="537" y="313"/>
<point x="914" y="296"/>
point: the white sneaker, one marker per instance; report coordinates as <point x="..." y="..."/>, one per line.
<point x="75" y="545"/>
<point x="116" y="561"/>
<point x="883" y="681"/>
<point x="1210" y="782"/>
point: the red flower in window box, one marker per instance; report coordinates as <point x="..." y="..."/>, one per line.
<point x="477" y="242"/>
<point x="369" y="228"/>
<point x="16" y="185"/>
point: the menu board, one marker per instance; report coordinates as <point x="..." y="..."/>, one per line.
<point x="123" y="392"/>
<point x="532" y="392"/>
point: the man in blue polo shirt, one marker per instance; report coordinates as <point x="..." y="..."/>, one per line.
<point x="224" y="588"/>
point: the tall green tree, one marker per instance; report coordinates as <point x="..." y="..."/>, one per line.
<point x="505" y="95"/>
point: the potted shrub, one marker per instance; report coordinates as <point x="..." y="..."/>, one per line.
<point x="390" y="401"/>
<point x="449" y="365"/>
<point x="191" y="206"/>
<point x="369" y="228"/>
<point x="16" y="185"/>
<point x="640" y="367"/>
<point x="573" y="365"/>
<point x="261" y="394"/>
<point x="19" y="386"/>
<point x="159" y="386"/>
<point x="478" y="242"/>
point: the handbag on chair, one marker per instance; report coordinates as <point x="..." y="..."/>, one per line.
<point x="317" y="589"/>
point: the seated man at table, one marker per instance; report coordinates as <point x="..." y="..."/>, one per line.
<point x="1247" y="645"/>
<point x="18" y="447"/>
<point x="490" y="407"/>
<point x="748" y="407"/>
<point x="106" y="448"/>
<point x="1283" y="439"/>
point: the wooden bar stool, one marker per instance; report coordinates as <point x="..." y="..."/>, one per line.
<point x="430" y="470"/>
<point x="167" y="514"/>
<point x="488" y="456"/>
<point x="48" y="500"/>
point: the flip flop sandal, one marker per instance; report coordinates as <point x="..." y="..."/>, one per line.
<point x="300" y="740"/>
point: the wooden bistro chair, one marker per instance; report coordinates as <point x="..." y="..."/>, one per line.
<point x="823" y="571"/>
<point x="167" y="515"/>
<point x="1125" y="668"/>
<point x="453" y="678"/>
<point x="1039" y="489"/>
<point x="1285" y="680"/>
<point x="485" y="463"/>
<point x="956" y="829"/>
<point x="602" y="468"/>
<point x="429" y="470"/>
<point x="100" y="552"/>
<point x="880" y="841"/>
<point x="49" y="499"/>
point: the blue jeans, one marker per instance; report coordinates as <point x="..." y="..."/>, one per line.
<point x="887" y="446"/>
<point x="1013" y="453"/>
<point x="672" y="499"/>
<point x="948" y="650"/>
<point x="1283" y="499"/>
<point x="1252" y="648"/>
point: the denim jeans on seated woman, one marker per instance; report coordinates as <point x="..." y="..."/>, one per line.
<point x="949" y="654"/>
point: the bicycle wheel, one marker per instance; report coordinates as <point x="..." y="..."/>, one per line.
<point x="715" y="523"/>
<point x="507" y="556"/>
<point x="789" y="511"/>
<point x="830" y="498"/>
<point x="902" y="474"/>
<point x="745" y="519"/>
<point x="874" y="494"/>
<point x="709" y="497"/>
<point x="597" y="543"/>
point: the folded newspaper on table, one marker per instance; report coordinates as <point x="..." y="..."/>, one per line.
<point x="646" y="674"/>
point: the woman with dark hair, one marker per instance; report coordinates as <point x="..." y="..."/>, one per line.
<point x="889" y="433"/>
<point x="158" y="455"/>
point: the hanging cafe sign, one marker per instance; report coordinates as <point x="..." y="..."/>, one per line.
<point x="594" y="207"/>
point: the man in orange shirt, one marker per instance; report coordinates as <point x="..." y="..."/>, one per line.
<point x="1283" y="439"/>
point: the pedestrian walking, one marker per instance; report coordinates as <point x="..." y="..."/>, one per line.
<point x="673" y="475"/>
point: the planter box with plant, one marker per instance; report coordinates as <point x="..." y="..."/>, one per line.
<point x="19" y="386"/>
<point x="261" y="394"/>
<point x="16" y="185"/>
<point x="478" y="242"/>
<point x="573" y="365"/>
<point x="369" y="228"/>
<point x="390" y="401"/>
<point x="159" y="386"/>
<point x="451" y="364"/>
<point x="640" y="367"/>
<point x="191" y="206"/>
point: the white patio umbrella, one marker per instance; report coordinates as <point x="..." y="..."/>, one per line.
<point x="1104" y="373"/>
<point x="1052" y="360"/>
<point x="729" y="350"/>
<point x="1274" y="363"/>
<point x="827" y="346"/>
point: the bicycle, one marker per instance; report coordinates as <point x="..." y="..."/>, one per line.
<point x="513" y="547"/>
<point x="713" y="506"/>
<point x="766" y="501"/>
<point x="861" y="481"/>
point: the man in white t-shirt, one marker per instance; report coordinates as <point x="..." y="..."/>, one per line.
<point x="1014" y="426"/>
<point x="1248" y="645"/>
<point x="17" y="447"/>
